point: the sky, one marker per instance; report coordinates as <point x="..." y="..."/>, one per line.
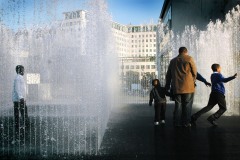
<point x="21" y="13"/>
<point x="135" y="11"/>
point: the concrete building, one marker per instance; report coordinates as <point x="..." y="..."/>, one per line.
<point x="135" y="44"/>
<point x="136" y="48"/>
<point x="179" y="13"/>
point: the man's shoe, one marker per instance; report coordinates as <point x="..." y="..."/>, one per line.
<point x="212" y="121"/>
<point x="162" y="121"/>
<point x="187" y="125"/>
<point x="193" y="121"/>
<point x="156" y="123"/>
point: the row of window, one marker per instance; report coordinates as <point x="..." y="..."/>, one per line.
<point x="138" y="67"/>
<point x="150" y="40"/>
<point x="150" y="45"/>
<point x="71" y="23"/>
<point x="150" y="35"/>
<point x="150" y="50"/>
<point x="121" y="39"/>
<point x="142" y="29"/>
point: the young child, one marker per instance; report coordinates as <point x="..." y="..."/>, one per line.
<point x="158" y="94"/>
<point x="216" y="97"/>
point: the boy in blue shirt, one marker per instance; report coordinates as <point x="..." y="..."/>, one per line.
<point x="216" y="97"/>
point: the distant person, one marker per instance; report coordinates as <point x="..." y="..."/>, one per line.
<point x="216" y="97"/>
<point x="158" y="95"/>
<point x="19" y="100"/>
<point x="181" y="75"/>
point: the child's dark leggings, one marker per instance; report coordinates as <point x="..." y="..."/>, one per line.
<point x="160" y="109"/>
<point x="215" y="98"/>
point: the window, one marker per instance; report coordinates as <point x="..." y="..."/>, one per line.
<point x="132" y="67"/>
<point x="132" y="36"/>
<point x="150" y="35"/>
<point x="146" y="35"/>
<point x="146" y="45"/>
<point x="153" y="66"/>
<point x="127" y="66"/>
<point x="154" y="40"/>
<point x="137" y="66"/>
<point x="147" y="66"/>
<point x="154" y="45"/>
<point x="146" y="40"/>
<point x="142" y="67"/>
<point x="146" y="50"/>
<point x="168" y="17"/>
<point x="150" y="40"/>
<point x="150" y="50"/>
<point x="132" y="41"/>
<point x="143" y="40"/>
<point x="139" y="36"/>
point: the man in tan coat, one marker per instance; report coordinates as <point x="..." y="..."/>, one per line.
<point x="181" y="75"/>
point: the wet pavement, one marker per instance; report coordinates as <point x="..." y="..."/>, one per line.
<point x="131" y="135"/>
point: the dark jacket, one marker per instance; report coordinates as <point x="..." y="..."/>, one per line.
<point x="161" y="92"/>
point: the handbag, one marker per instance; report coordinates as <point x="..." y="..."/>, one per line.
<point x="157" y="97"/>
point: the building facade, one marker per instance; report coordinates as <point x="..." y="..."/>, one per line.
<point x="194" y="12"/>
<point x="136" y="49"/>
<point x="135" y="44"/>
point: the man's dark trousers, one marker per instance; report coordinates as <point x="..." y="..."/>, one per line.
<point x="183" y="108"/>
<point x="22" y="108"/>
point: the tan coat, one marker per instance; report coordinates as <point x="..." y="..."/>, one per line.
<point x="181" y="74"/>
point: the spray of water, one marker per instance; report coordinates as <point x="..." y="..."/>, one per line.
<point x="69" y="82"/>
<point x="217" y="44"/>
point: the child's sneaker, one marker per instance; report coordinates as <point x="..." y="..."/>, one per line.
<point x="156" y="123"/>
<point x="163" y="121"/>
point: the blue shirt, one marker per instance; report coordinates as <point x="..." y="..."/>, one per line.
<point x="217" y="80"/>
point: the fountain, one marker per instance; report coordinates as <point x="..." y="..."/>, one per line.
<point x="69" y="71"/>
<point x="217" y="44"/>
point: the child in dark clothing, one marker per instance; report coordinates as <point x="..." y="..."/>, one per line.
<point x="158" y="94"/>
<point x="216" y="97"/>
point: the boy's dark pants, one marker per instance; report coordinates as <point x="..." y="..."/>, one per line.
<point x="160" y="109"/>
<point x="215" y="98"/>
<point x="22" y="108"/>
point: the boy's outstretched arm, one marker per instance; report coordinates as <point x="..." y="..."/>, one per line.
<point x="225" y="80"/>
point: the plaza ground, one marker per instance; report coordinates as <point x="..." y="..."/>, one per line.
<point x="131" y="135"/>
